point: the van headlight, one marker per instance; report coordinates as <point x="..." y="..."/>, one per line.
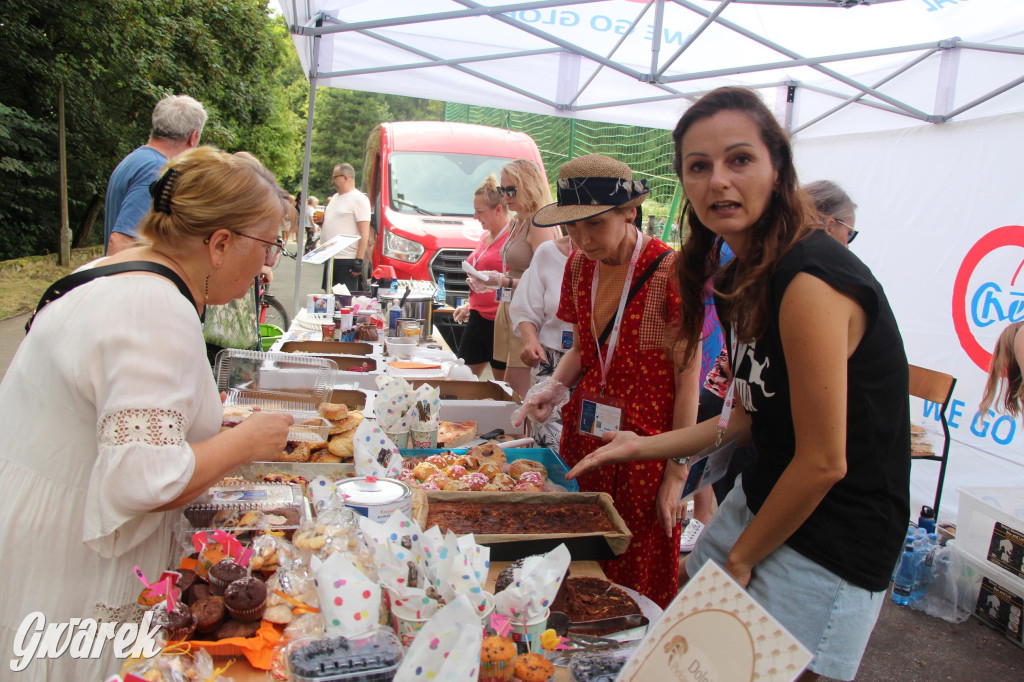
<point x="401" y="248"/>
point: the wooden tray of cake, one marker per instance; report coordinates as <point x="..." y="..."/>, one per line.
<point x="587" y="523"/>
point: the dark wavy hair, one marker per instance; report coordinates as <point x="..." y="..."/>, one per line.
<point x="743" y="284"/>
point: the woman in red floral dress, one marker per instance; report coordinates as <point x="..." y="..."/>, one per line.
<point x="631" y="384"/>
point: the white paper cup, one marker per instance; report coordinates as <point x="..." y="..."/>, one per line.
<point x="399" y="438"/>
<point x="424" y="440"/>
<point x="484" y="611"/>
<point x="532" y="630"/>
<point x="407" y="626"/>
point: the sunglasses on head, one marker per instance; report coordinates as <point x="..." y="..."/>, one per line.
<point x="853" y="232"/>
<point x="509" y="191"/>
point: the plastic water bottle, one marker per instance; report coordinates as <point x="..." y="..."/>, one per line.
<point x="903" y="584"/>
<point x="394" y="286"/>
<point x="440" y="295"/>
<point x="924" y="547"/>
<point x="927" y="519"/>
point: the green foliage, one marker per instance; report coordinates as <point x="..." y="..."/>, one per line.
<point x="116" y="58"/>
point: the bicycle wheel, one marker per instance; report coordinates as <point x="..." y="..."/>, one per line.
<point x="274" y="312"/>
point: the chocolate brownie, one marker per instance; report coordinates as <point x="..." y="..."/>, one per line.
<point x="509" y="517"/>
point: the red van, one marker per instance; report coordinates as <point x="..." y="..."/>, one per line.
<point x="420" y="177"/>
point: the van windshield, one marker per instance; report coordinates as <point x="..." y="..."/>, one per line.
<point x="439" y="183"/>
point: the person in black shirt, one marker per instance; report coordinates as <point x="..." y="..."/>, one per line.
<point x="815" y="525"/>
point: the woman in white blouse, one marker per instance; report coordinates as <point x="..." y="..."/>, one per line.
<point x="546" y="339"/>
<point x="109" y="414"/>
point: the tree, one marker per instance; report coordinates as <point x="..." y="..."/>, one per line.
<point x="116" y="58"/>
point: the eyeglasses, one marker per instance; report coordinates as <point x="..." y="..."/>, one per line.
<point x="273" y="248"/>
<point x="509" y="191"/>
<point x="853" y="233"/>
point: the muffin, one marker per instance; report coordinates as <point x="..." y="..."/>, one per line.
<point x="197" y="592"/>
<point x="533" y="668"/>
<point x="177" y="624"/>
<point x="235" y="628"/>
<point x="226" y="571"/>
<point x="496" y="659"/>
<point x="209" y="614"/>
<point x="186" y="579"/>
<point x="245" y="599"/>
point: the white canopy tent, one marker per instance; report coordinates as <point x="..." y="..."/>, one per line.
<point x="857" y="83"/>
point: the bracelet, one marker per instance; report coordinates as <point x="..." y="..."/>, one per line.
<point x="681" y="461"/>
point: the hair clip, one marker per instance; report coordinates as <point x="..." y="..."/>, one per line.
<point x="161" y="190"/>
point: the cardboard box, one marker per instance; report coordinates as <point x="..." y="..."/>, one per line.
<point x="512" y="546"/>
<point x="355" y="399"/>
<point x="329" y="348"/>
<point x="489" y="403"/>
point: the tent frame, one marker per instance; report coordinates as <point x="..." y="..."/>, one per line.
<point x="867" y="95"/>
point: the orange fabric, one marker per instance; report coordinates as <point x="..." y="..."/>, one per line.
<point x="258" y="649"/>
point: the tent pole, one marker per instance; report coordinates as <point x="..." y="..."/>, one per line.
<point x="673" y="211"/>
<point x="301" y="232"/>
<point x="659" y="20"/>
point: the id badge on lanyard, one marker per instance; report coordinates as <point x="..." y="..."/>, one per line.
<point x="601" y="413"/>
<point x="566" y="341"/>
<point x="503" y="295"/>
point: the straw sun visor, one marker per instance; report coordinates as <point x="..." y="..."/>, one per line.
<point x="589" y="186"/>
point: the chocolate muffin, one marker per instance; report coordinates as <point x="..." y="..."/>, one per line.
<point x="176" y="624"/>
<point x="186" y="580"/>
<point x="226" y="571"/>
<point x="246" y="599"/>
<point x="235" y="628"/>
<point x="197" y="592"/>
<point x="209" y="614"/>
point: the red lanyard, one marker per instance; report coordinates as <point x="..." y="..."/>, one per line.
<point x="606" y="362"/>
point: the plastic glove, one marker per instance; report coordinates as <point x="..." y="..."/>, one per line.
<point x="540" y="401"/>
<point x="492" y="280"/>
<point x="461" y="313"/>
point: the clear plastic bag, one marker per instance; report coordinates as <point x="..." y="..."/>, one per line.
<point x="948" y="596"/>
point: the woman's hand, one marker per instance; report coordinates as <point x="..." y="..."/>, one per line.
<point x="623" y="446"/>
<point x="670" y="508"/>
<point x="461" y="313"/>
<point x="533" y="353"/>
<point x="540" y="401"/>
<point x="741" y="573"/>
<point x="266" y="434"/>
<point x="491" y="281"/>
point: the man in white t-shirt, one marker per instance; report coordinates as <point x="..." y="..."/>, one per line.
<point x="348" y="212"/>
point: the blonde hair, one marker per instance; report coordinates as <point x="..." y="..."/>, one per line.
<point x="488" y="189"/>
<point x="212" y="190"/>
<point x="532" y="189"/>
<point x="1004" y="386"/>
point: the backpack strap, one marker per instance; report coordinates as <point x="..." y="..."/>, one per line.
<point x="76" y="279"/>
<point x="633" y="291"/>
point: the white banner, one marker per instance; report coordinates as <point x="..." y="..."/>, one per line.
<point x="940" y="213"/>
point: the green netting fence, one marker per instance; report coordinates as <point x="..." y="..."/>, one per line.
<point x="648" y="151"/>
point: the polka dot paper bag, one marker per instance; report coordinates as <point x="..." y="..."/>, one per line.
<point x="349" y="601"/>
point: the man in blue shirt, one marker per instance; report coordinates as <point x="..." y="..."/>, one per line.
<point x="178" y="122"/>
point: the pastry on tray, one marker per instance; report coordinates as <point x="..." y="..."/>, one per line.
<point x="500" y="518"/>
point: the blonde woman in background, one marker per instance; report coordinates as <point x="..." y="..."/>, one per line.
<point x="525" y="188"/>
<point x="1004" y="387"/>
<point x="106" y="431"/>
<point x="477" y="345"/>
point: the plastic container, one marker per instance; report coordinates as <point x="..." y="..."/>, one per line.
<point x="269" y="334"/>
<point x="227" y="504"/>
<point x="598" y="666"/>
<point x="990" y="526"/>
<point x="373" y="659"/>
<point x="990" y="594"/>
<point x="279" y="382"/>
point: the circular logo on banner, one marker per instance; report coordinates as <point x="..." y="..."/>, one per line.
<point x="988" y="292"/>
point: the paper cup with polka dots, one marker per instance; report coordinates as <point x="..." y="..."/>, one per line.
<point x="407" y="624"/>
<point x="349" y="601"/>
